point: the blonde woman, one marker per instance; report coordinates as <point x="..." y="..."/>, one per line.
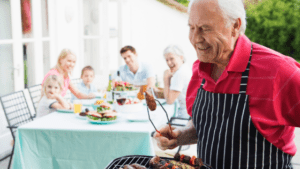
<point x="65" y="64"/>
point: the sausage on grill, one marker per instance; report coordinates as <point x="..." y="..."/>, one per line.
<point x="137" y="166"/>
<point x="154" y="160"/>
<point x="128" y="167"/>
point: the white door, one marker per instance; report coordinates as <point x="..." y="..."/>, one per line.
<point x="11" y="50"/>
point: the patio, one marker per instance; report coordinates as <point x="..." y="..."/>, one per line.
<point x="122" y="23"/>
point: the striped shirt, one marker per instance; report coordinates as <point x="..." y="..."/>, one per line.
<point x="273" y="89"/>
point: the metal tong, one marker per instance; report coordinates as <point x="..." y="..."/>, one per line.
<point x="162" y="108"/>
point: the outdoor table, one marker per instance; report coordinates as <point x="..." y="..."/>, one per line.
<point x="62" y="140"/>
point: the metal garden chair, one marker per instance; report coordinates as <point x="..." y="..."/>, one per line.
<point x="35" y="95"/>
<point x="17" y="113"/>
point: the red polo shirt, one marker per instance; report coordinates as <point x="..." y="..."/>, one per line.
<point x="273" y="89"/>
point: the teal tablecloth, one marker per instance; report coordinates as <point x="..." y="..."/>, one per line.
<point x="61" y="140"/>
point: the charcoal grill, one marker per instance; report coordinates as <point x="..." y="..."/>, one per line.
<point x="139" y="159"/>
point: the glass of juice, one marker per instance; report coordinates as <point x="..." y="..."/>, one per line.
<point x="77" y="106"/>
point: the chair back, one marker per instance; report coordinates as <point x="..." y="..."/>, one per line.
<point x="35" y="95"/>
<point x="16" y="110"/>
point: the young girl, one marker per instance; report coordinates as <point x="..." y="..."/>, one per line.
<point x="65" y="64"/>
<point x="52" y="98"/>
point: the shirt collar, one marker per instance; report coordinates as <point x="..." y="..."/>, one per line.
<point x="238" y="61"/>
<point x="139" y="69"/>
<point x="241" y="54"/>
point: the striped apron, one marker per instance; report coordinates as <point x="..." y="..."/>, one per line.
<point x="226" y="136"/>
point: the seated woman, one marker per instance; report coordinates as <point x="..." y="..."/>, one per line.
<point x="135" y="72"/>
<point x="176" y="79"/>
<point x="65" y="64"/>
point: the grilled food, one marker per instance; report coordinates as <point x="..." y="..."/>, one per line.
<point x="150" y="101"/>
<point x="133" y="166"/>
<point x="140" y="94"/>
<point x="179" y="162"/>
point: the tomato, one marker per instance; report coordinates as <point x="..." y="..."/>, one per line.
<point x="181" y="157"/>
<point x="192" y="160"/>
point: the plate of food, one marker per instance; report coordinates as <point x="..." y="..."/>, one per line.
<point x="82" y="115"/>
<point x="64" y="111"/>
<point x="103" y="115"/>
<point x="124" y="86"/>
<point x="128" y="105"/>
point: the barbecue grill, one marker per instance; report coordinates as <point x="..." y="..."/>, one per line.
<point x="139" y="159"/>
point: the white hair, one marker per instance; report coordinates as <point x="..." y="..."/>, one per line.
<point x="174" y="49"/>
<point x="232" y="10"/>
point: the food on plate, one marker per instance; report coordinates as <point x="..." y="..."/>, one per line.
<point x="124" y="86"/>
<point x="104" y="113"/>
<point x="179" y="162"/>
<point x="98" y="102"/>
<point x="124" y="101"/>
<point x="110" y="102"/>
<point x="150" y="101"/>
<point x="140" y="94"/>
<point x="104" y="106"/>
<point x="84" y="113"/>
<point x="159" y="93"/>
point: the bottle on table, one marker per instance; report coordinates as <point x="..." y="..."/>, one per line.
<point x="109" y="89"/>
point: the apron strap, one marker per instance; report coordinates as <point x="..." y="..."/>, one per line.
<point x="245" y="74"/>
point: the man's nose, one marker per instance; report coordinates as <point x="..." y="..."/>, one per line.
<point x="197" y="36"/>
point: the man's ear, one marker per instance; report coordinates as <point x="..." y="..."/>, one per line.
<point x="236" y="27"/>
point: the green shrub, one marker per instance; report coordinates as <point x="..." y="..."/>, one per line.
<point x="275" y="24"/>
<point x="183" y="2"/>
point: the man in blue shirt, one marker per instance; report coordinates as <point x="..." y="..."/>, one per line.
<point x="135" y="72"/>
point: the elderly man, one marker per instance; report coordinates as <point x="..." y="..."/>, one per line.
<point x="243" y="97"/>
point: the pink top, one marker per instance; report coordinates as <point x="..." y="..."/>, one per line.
<point x="66" y="80"/>
<point x="273" y="89"/>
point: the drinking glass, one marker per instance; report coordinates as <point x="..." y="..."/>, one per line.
<point x="77" y="106"/>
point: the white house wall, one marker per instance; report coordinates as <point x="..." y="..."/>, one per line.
<point x="150" y="27"/>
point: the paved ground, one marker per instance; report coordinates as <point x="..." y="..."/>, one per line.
<point x="4" y="163"/>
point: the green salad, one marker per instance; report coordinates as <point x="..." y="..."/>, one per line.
<point x="101" y="109"/>
<point x="110" y="102"/>
<point x="102" y="118"/>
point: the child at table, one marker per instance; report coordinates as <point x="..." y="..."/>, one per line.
<point x="86" y="86"/>
<point x="52" y="99"/>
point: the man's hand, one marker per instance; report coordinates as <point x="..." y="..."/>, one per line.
<point x="167" y="139"/>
